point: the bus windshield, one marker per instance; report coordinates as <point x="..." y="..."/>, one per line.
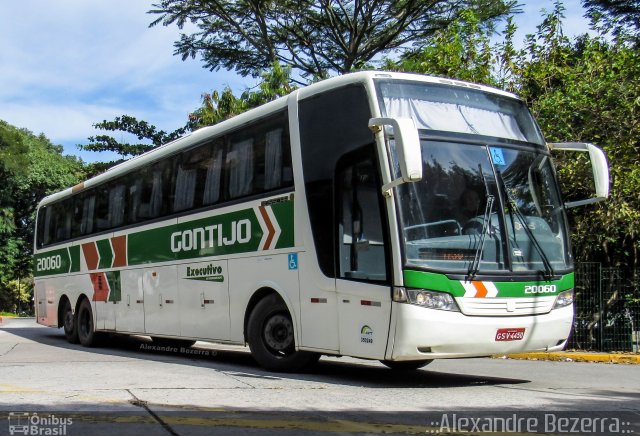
<point x="484" y="205"/>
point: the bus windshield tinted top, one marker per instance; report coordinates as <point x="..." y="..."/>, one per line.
<point x="488" y="201"/>
<point x="458" y="109"/>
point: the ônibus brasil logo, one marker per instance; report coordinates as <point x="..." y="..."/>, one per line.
<point x="33" y="424"/>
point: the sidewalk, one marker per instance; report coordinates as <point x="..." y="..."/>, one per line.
<point x="577" y="356"/>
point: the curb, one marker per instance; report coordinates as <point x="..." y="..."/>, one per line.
<point x="569" y="356"/>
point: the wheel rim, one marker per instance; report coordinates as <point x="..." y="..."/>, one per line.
<point x="278" y="334"/>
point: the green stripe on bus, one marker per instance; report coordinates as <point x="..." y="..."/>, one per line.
<point x="74" y="255"/>
<point x="230" y="233"/>
<point x="284" y="215"/>
<point x="440" y="282"/>
<point x="53" y="262"/>
<point x="105" y="252"/>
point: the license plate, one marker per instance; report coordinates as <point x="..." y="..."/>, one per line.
<point x="516" y="334"/>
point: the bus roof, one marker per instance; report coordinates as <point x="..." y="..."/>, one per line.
<point x="204" y="133"/>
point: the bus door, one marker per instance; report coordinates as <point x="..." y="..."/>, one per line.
<point x="362" y="282"/>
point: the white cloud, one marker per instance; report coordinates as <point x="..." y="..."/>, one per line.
<point x="67" y="64"/>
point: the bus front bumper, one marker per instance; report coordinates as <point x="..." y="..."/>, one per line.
<point x="422" y="333"/>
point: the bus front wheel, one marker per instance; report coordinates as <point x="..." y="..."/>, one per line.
<point x="69" y="323"/>
<point x="271" y="338"/>
<point x="86" y="330"/>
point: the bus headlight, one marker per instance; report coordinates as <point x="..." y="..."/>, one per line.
<point x="564" y="298"/>
<point x="424" y="298"/>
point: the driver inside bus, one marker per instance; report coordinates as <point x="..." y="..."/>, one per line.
<point x="468" y="206"/>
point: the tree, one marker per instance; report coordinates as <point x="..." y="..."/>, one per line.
<point x="128" y="124"/>
<point x="462" y="51"/>
<point x="617" y="15"/>
<point x="15" y="295"/>
<point x="216" y="106"/>
<point x="31" y="168"/>
<point x="315" y="39"/>
<point x="587" y="90"/>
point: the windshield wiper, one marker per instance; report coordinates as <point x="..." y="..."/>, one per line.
<point x="488" y="210"/>
<point x="513" y="207"/>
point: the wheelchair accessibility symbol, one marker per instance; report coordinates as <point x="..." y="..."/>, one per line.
<point x="293" y="260"/>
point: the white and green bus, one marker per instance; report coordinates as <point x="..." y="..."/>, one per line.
<point x="385" y="216"/>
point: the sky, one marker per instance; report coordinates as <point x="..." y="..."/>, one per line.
<point x="68" y="64"/>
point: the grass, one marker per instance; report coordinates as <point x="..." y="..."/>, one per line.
<point x="12" y="315"/>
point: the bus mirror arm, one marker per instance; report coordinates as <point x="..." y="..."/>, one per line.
<point x="599" y="167"/>
<point x="408" y="151"/>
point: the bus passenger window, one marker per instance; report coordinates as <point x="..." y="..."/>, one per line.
<point x="154" y="197"/>
<point x="135" y="194"/>
<point x="116" y="205"/>
<point x="273" y="160"/>
<point x="185" y="188"/>
<point x="57" y="226"/>
<point x="76" y="222"/>
<point x="102" y="218"/>
<point x="240" y="168"/>
<point x="88" y="207"/>
<point x="211" y="188"/>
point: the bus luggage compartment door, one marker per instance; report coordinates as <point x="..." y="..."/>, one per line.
<point x="161" y="304"/>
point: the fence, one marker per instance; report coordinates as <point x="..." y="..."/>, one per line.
<point x="607" y="316"/>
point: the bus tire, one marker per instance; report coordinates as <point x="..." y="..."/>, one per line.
<point x="406" y="365"/>
<point x="86" y="329"/>
<point x="69" y="323"/>
<point x="271" y="338"/>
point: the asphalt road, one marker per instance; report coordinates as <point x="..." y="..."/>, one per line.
<point x="48" y="386"/>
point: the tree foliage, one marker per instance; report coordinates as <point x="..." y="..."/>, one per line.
<point x="585" y="89"/>
<point x="148" y="134"/>
<point x="315" y="39"/>
<point x="15" y="295"/>
<point x="219" y="106"/>
<point x="31" y="168"/>
<point x="588" y="89"/>
<point x="616" y="15"/>
<point x="462" y="51"/>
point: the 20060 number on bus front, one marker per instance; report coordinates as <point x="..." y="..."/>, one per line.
<point x="515" y="334"/>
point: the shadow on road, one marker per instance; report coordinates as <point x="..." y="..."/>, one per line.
<point x="333" y="371"/>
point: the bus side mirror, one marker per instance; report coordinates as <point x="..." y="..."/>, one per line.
<point x="599" y="168"/>
<point x="407" y="147"/>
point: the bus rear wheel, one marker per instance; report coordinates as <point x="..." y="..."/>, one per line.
<point x="86" y="330"/>
<point x="406" y="365"/>
<point x="271" y="338"/>
<point x="69" y="323"/>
